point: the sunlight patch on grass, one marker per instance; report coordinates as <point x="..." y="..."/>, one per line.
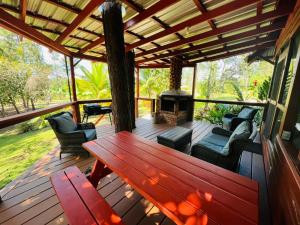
<point x="20" y="151"/>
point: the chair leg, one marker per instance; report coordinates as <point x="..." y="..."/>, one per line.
<point x="110" y="119"/>
<point x="60" y="156"/>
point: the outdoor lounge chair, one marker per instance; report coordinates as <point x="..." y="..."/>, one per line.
<point x="71" y="135"/>
<point x="223" y="148"/>
<point x="231" y="121"/>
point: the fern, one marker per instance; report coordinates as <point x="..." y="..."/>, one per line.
<point x="238" y="91"/>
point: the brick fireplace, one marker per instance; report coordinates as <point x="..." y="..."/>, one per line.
<point x="175" y="106"/>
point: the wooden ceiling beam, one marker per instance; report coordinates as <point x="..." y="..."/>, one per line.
<point x="23" y="7"/>
<point x="86" y="12"/>
<point x="149" y="12"/>
<point x="232" y="6"/>
<point x="89" y="57"/>
<point x="20" y="27"/>
<point x="243" y="35"/>
<point x="246" y="44"/>
<point x="225" y="29"/>
<point x="230" y="54"/>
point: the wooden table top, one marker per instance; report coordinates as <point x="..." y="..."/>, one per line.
<point x="184" y="188"/>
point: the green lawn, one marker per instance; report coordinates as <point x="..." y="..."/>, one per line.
<point x="19" y="151"/>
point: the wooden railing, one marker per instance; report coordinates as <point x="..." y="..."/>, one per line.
<point x="19" y="118"/>
<point x="15" y="119"/>
<point x="152" y="108"/>
<point x="259" y="104"/>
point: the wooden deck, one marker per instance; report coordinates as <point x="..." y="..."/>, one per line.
<point x="30" y="199"/>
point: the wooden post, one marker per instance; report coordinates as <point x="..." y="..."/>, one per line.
<point x="194" y="80"/>
<point x="115" y="49"/>
<point x="130" y="73"/>
<point x="75" y="106"/>
<point x="137" y="83"/>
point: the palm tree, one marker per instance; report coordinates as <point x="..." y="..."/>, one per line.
<point x="94" y="83"/>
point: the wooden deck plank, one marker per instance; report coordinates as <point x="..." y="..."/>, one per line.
<point x="30" y="199"/>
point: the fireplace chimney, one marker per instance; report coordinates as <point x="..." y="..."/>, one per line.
<point x="175" y="73"/>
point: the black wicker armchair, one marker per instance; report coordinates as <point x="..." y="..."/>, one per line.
<point x="231" y="121"/>
<point x="71" y="135"/>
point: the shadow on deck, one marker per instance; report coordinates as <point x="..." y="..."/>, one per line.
<point x="30" y="199"/>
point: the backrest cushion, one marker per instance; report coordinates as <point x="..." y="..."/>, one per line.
<point x="242" y="132"/>
<point x="247" y="113"/>
<point x="65" y="123"/>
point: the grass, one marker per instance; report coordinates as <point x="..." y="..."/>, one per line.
<point x="20" y="151"/>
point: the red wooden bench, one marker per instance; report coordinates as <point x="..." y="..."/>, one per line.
<point x="81" y="202"/>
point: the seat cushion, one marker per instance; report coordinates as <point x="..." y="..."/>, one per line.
<point x="247" y="113"/>
<point x="214" y="142"/>
<point x="175" y="134"/>
<point x="242" y="132"/>
<point x="90" y="134"/>
<point x="65" y="123"/>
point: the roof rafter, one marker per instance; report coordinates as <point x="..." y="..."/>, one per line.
<point x="20" y="27"/>
<point x="86" y="12"/>
<point x="23" y="6"/>
<point x="143" y="14"/>
<point x="245" y="44"/>
<point x="247" y="34"/>
<point x="230" y="54"/>
<point x="225" y="29"/>
<point x="232" y="6"/>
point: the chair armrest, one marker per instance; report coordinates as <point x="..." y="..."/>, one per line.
<point x="221" y="131"/>
<point x="76" y="137"/>
<point x="236" y="121"/>
<point x="85" y="126"/>
<point x="230" y="115"/>
<point x="246" y="145"/>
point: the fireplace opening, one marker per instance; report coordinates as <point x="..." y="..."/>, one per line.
<point x="183" y="105"/>
<point x="168" y="105"/>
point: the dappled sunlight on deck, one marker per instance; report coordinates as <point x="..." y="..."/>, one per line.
<point x="30" y="199"/>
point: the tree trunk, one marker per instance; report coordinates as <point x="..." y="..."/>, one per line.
<point x="24" y="103"/>
<point x="114" y="42"/>
<point x="130" y="72"/>
<point x="2" y="109"/>
<point x="32" y="104"/>
<point x="12" y="101"/>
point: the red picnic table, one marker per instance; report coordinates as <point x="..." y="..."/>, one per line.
<point x="184" y="188"/>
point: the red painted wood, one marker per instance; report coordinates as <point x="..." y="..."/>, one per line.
<point x="82" y="203"/>
<point x="86" y="12"/>
<point x="227" y="28"/>
<point x="71" y="202"/>
<point x="96" y="173"/>
<point x="172" y="181"/>
<point x="247" y="34"/>
<point x="98" y="207"/>
<point x="237" y="4"/>
<point x="169" y="203"/>
<point x="222" y="206"/>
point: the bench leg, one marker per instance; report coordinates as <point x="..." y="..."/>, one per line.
<point x="99" y="171"/>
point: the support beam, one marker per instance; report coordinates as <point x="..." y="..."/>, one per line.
<point x="194" y="81"/>
<point x="114" y="42"/>
<point x="225" y="29"/>
<point x="246" y="44"/>
<point x="130" y="73"/>
<point x="230" y="54"/>
<point x="243" y="35"/>
<point x="160" y="5"/>
<point x="86" y="12"/>
<point x="76" y="111"/>
<point x="23" y="6"/>
<point x="232" y="6"/>
<point x="137" y="84"/>
<point x="17" y="26"/>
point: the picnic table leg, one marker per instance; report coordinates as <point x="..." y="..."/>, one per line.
<point x="99" y="171"/>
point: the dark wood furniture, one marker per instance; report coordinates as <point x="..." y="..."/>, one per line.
<point x="81" y="202"/>
<point x="185" y="189"/>
<point x="95" y="109"/>
<point x="177" y="137"/>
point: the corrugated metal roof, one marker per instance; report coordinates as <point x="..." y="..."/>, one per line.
<point x="52" y="17"/>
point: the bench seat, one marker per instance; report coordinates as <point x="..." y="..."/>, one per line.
<point x="81" y="202"/>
